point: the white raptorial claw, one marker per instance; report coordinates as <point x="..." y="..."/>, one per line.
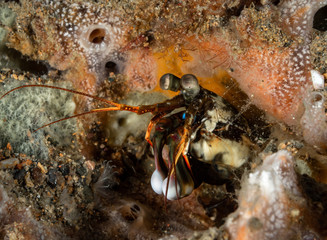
<point x="156" y="181"/>
<point x="172" y="193"/>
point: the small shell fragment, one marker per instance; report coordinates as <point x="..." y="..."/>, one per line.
<point x="39" y="165"/>
<point x="317" y="79"/>
<point x="9" y="163"/>
<point x="90" y="165"/>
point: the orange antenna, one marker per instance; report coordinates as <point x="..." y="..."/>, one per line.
<point x="63" y="89"/>
<point x="116" y="107"/>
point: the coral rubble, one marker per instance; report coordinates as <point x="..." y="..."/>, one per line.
<point x="18" y="223"/>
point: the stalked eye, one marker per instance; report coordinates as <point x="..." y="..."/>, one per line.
<point x="165" y="81"/>
<point x="189" y="81"/>
<point x="190" y="86"/>
<point x="170" y="82"/>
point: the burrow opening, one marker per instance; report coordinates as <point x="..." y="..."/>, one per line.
<point x="320" y="19"/>
<point x="97" y="35"/>
<point x="112" y="67"/>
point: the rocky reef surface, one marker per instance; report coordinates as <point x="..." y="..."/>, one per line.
<point x="89" y="177"/>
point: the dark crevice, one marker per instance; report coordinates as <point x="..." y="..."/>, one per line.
<point x="320" y="19"/>
<point x="136" y="207"/>
<point x="23" y="63"/>
<point x="112" y="67"/>
<point x="121" y="122"/>
<point x="149" y="37"/>
<point x="275" y="2"/>
<point x="236" y="11"/>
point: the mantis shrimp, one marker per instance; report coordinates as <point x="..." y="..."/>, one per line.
<point x="193" y="128"/>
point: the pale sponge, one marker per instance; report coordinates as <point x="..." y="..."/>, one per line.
<point x="27" y="109"/>
<point x="314" y="120"/>
<point x="122" y="124"/>
<point x="271" y="203"/>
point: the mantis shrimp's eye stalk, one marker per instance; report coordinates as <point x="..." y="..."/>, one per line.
<point x="190" y="86"/>
<point x="156" y="181"/>
<point x="170" y="82"/>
